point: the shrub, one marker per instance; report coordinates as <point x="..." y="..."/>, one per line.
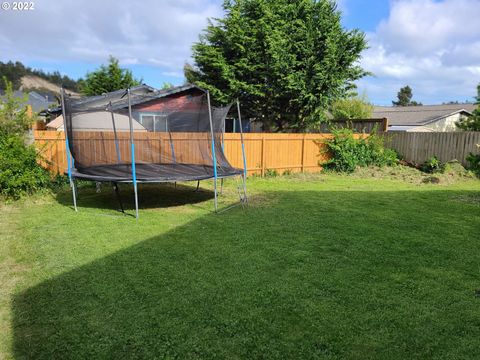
<point x="474" y="161"/>
<point x="271" y="173"/>
<point x="20" y="174"/>
<point x="432" y="165"/>
<point x="347" y="152"/>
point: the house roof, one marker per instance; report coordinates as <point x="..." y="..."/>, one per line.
<point x="139" y="94"/>
<point x="114" y="96"/>
<point x="34" y="99"/>
<point x="419" y="115"/>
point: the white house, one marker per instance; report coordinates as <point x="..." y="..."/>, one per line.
<point x="425" y="118"/>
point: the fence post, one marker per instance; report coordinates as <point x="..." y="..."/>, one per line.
<point x="385" y="124"/>
<point x="303" y="154"/>
<point x="263" y="154"/>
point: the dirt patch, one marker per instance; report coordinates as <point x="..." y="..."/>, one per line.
<point x="452" y="172"/>
<point x="261" y="200"/>
<point x="35" y="82"/>
<point x="469" y="199"/>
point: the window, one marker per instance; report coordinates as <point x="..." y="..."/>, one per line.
<point x="155" y="123"/>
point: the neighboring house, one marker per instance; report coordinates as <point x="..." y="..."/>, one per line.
<point x="149" y="108"/>
<point x="98" y="121"/>
<point x="426" y="118"/>
<point x="37" y="101"/>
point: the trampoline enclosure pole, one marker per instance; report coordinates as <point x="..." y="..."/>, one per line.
<point x="243" y="151"/>
<point x="115" y="133"/>
<point x="67" y="145"/>
<point x="172" y="148"/>
<point x="214" y="155"/>
<point x="132" y="151"/>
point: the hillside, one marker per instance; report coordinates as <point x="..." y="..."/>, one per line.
<point x="24" y="77"/>
<point x="32" y="82"/>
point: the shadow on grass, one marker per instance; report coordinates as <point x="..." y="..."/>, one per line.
<point x="320" y="274"/>
<point x="149" y="196"/>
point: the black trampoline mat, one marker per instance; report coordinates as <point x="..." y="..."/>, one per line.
<point x="152" y="172"/>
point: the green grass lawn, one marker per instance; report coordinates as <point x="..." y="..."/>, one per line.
<point x="321" y="266"/>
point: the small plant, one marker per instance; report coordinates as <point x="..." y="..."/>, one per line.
<point x="287" y="172"/>
<point x="432" y="165"/>
<point x="474" y="162"/>
<point x="271" y="173"/>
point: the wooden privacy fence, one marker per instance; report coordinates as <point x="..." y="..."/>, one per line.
<point x="264" y="151"/>
<point x="417" y="147"/>
<point x="358" y="125"/>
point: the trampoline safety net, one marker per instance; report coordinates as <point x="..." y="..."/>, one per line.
<point x="172" y="137"/>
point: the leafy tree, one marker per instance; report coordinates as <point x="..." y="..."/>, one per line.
<point x="355" y="107"/>
<point x="286" y="60"/>
<point x="14" y="117"/>
<point x="108" y="78"/>
<point x="167" y="85"/>
<point x="472" y="123"/>
<point x="404" y="97"/>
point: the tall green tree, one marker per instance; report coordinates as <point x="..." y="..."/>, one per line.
<point x="108" y="78"/>
<point x="404" y="97"/>
<point x="14" y="117"/>
<point x="472" y="123"/>
<point x="355" y="107"/>
<point x="286" y="60"/>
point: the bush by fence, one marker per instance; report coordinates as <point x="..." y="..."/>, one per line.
<point x="19" y="172"/>
<point x="347" y="151"/>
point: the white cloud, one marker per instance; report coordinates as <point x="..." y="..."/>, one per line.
<point x="432" y="46"/>
<point x="177" y="74"/>
<point x="151" y="32"/>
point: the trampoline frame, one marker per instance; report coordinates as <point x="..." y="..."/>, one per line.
<point x="70" y="160"/>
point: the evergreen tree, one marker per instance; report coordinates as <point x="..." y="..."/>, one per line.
<point x="108" y="78"/>
<point x="286" y="60"/>
<point x="404" y="97"/>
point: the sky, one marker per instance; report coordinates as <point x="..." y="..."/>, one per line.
<point x="431" y="45"/>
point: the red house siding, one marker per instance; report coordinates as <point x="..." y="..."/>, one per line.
<point x="173" y="102"/>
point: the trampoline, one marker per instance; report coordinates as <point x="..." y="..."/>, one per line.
<point x="147" y="136"/>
